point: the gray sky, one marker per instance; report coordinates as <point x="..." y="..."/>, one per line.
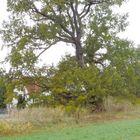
<point x="52" y="55"/>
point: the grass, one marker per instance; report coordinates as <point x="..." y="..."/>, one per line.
<point x="111" y="130"/>
<point x="119" y="122"/>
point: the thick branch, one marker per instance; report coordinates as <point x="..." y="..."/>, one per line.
<point x="74" y="17"/>
<point x="71" y="22"/>
<point x="54" y="19"/>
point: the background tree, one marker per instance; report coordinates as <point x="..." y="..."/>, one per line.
<point x="2" y="94"/>
<point x="3" y="82"/>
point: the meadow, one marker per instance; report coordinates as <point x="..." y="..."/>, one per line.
<point x="111" y="130"/>
<point x="120" y="121"/>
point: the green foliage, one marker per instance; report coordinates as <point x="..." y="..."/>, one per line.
<point x="74" y="86"/>
<point x="109" y="65"/>
<point x="102" y="39"/>
<point x="3" y="85"/>
<point x="2" y="94"/>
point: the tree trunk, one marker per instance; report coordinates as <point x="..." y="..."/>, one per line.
<point x="79" y="54"/>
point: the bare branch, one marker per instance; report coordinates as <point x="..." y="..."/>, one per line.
<point x="64" y="39"/>
<point x="85" y="11"/>
<point x="87" y="7"/>
<point x="46" y="48"/>
<point x="93" y="2"/>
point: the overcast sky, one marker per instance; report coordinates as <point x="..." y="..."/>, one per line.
<point x="54" y="54"/>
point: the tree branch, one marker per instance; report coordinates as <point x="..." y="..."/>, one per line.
<point x="71" y="22"/>
<point x="87" y="7"/>
<point x="54" y="19"/>
<point x="46" y="48"/>
<point x="85" y="11"/>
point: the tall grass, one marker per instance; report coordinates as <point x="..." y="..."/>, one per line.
<point x="117" y="105"/>
<point x="40" y="115"/>
<point x="26" y="120"/>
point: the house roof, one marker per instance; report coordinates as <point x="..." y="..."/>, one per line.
<point x="33" y="88"/>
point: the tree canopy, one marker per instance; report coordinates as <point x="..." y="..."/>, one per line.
<point x="36" y="25"/>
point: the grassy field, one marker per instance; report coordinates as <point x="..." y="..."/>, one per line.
<point x="111" y="130"/>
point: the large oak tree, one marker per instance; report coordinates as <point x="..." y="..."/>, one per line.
<point x="36" y="25"/>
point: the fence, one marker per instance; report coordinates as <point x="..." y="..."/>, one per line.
<point x="3" y="113"/>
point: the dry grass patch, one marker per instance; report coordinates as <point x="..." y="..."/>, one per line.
<point x="118" y="105"/>
<point x="9" y="128"/>
<point x="40" y="115"/>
